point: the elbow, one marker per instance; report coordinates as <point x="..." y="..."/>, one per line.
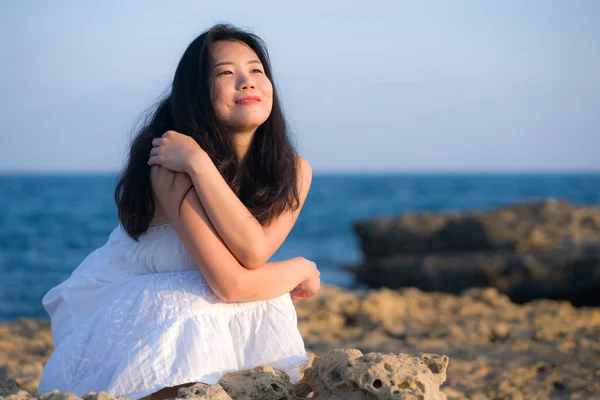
<point x="233" y="291"/>
<point x="255" y="258"/>
<point x="253" y="264"/>
<point x="228" y="295"/>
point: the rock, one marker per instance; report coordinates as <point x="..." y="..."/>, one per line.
<point x="348" y="374"/>
<point x="203" y="391"/>
<point x="25" y="344"/>
<point x="264" y="383"/>
<point x="489" y="339"/>
<point x="9" y="387"/>
<point x="527" y="251"/>
<point x="99" y="396"/>
<point x="528" y="226"/>
<point x="572" y="275"/>
<point x="56" y="395"/>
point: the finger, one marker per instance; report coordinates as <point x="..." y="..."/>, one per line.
<point x="167" y="133"/>
<point x="153" y="160"/>
<point x="157" y="142"/>
<point x="300" y="296"/>
<point x="301" y="293"/>
<point x="155" y="151"/>
<point x="296" y="289"/>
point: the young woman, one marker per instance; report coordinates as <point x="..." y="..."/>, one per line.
<point x="182" y="291"/>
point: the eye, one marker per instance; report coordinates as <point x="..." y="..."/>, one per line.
<point x="257" y="70"/>
<point x="224" y="73"/>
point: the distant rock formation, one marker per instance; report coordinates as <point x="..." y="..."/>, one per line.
<point x="547" y="249"/>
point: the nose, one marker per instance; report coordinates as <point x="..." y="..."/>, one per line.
<point x="246" y="82"/>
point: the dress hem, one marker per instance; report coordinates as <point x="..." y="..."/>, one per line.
<point x="143" y="393"/>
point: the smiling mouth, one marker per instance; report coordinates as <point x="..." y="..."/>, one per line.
<point x="248" y="100"/>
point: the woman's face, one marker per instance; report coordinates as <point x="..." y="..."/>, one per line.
<point x="242" y="95"/>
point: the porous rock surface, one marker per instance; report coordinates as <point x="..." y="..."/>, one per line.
<point x="258" y="383"/>
<point x="203" y="391"/>
<point x="348" y="374"/>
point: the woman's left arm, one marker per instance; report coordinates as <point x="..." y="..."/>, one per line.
<point x="250" y="242"/>
<point x="247" y="239"/>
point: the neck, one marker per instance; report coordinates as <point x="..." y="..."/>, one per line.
<point x="242" y="142"/>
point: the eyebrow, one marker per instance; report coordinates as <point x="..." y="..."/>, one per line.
<point x="230" y="63"/>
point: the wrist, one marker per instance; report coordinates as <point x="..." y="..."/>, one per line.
<point x="195" y="162"/>
<point x="308" y="268"/>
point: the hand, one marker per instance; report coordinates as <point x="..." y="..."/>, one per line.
<point x="174" y="151"/>
<point x="309" y="287"/>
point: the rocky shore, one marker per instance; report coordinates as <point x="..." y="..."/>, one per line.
<point x="476" y="345"/>
<point x="494" y="304"/>
<point x="528" y="251"/>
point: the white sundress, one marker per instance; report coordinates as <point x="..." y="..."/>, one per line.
<point x="136" y="317"/>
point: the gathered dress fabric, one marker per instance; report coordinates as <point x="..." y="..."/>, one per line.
<point x="138" y="316"/>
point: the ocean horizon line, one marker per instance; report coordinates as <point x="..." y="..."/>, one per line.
<point x="318" y="172"/>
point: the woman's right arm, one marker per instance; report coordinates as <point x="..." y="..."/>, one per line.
<point x="226" y="276"/>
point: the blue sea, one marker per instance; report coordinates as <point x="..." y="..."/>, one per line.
<point x="50" y="223"/>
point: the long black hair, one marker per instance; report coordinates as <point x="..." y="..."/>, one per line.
<point x="264" y="180"/>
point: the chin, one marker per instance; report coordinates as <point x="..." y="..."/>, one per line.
<point x="247" y="124"/>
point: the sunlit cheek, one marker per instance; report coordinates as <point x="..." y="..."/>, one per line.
<point x="269" y="95"/>
<point x="218" y="104"/>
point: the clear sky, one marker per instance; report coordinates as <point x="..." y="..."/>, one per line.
<point x="404" y="86"/>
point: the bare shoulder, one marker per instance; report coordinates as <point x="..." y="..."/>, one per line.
<point x="304" y="173"/>
<point x="304" y="167"/>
